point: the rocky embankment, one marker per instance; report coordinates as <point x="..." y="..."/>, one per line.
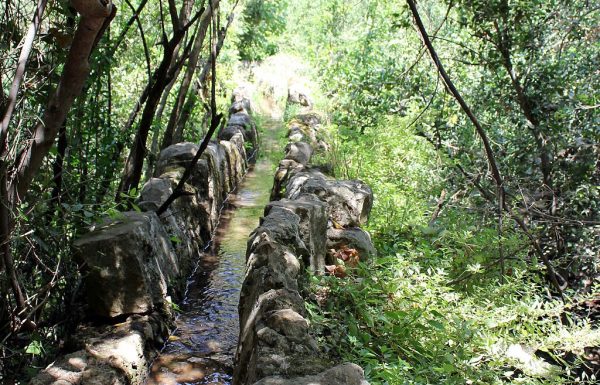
<point x="136" y="264"/>
<point x="310" y="217"/>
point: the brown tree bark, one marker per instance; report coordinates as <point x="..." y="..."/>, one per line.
<point x="20" y="72"/>
<point x="527" y="107"/>
<point x="6" y="262"/>
<point x="188" y="76"/>
<point x="94" y="14"/>
<point x="135" y="161"/>
<point x="14" y="183"/>
<point x="57" y="168"/>
<point x="214" y="124"/>
<point x="197" y="85"/>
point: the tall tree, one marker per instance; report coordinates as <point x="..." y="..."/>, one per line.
<point x="132" y="172"/>
<point x="191" y="69"/>
<point x="16" y="178"/>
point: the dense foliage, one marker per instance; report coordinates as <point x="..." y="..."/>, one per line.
<point x="457" y="283"/>
<point x="149" y="67"/>
<point x="452" y="289"/>
<point x="263" y="20"/>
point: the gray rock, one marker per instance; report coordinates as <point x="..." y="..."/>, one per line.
<point x="239" y="107"/>
<point x="118" y="356"/>
<point x="349" y="202"/>
<point x="186" y="241"/>
<point x="173" y="161"/>
<point x="229" y="131"/>
<point x="219" y="155"/>
<point x="270" y="266"/>
<point x="313" y="224"/>
<point x="345" y="374"/>
<point x="298" y="128"/>
<point x="154" y="193"/>
<point x="287" y="168"/>
<point x="274" y="338"/>
<point x="213" y="197"/>
<point x="176" y="155"/>
<point x="299" y="152"/>
<point x="191" y="212"/>
<point x="354" y="238"/>
<point x="295" y="134"/>
<point x="242" y="95"/>
<point x="80" y="368"/>
<point x="241" y="119"/>
<point x="240" y="123"/>
<point x="298" y="177"/>
<point x="311" y="119"/>
<point x="288" y="323"/>
<point x="236" y="161"/>
<point x="129" y="262"/>
<point x="282" y="226"/>
<point x="299" y="95"/>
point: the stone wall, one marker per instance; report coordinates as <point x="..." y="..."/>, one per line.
<point x="135" y="264"/>
<point x="310" y="217"/>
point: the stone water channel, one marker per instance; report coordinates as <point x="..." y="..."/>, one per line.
<point x="201" y="350"/>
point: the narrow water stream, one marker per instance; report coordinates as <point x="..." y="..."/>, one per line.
<point x="202" y="348"/>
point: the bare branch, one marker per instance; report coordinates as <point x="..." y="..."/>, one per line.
<point x="20" y="72"/>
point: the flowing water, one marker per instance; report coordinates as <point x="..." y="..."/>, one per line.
<point x="202" y="348"/>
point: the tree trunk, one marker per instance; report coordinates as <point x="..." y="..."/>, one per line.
<point x="20" y="72"/>
<point x="57" y="168"/>
<point x="189" y="75"/>
<point x="76" y="70"/>
<point x="95" y="17"/>
<point x="134" y="165"/>
<point x="196" y="87"/>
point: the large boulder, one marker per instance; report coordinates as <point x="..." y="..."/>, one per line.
<point x="154" y="193"/>
<point x="349" y="202"/>
<point x="236" y="160"/>
<point x="300" y="152"/>
<point x="176" y="155"/>
<point x="240" y="100"/>
<point x="287" y="168"/>
<point x="298" y="131"/>
<point x="241" y="119"/>
<point x="242" y="123"/>
<point x="275" y="339"/>
<point x="117" y="357"/>
<point x="282" y="226"/>
<point x="219" y="154"/>
<point x="128" y="264"/>
<point x="188" y="221"/>
<point x="270" y="266"/>
<point x="241" y="106"/>
<point x="173" y="161"/>
<point x="311" y="119"/>
<point x="229" y="131"/>
<point x="313" y="224"/>
<point x="213" y="198"/>
<point x="298" y="177"/>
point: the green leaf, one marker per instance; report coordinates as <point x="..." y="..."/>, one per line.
<point x="436" y="324"/>
<point x="34" y="348"/>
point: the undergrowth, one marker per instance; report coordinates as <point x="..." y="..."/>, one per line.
<point x="400" y="320"/>
<point x="434" y="306"/>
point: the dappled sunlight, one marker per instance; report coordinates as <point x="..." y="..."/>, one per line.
<point x="201" y="349"/>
